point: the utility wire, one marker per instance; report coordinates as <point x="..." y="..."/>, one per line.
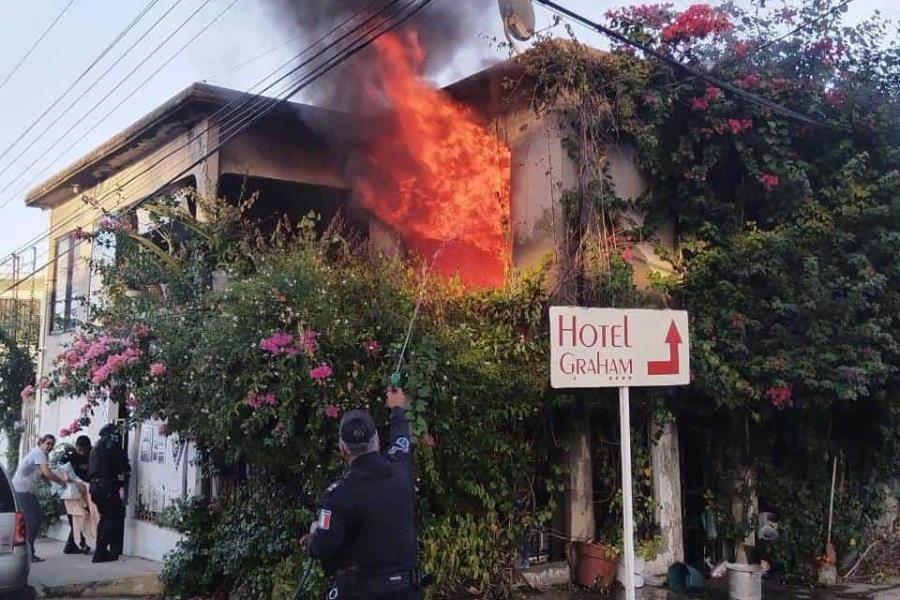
<point x="322" y="70"/>
<point x="253" y="59"/>
<point x="87" y="90"/>
<point x="83" y="74"/>
<point x="156" y="72"/>
<point x="698" y="73"/>
<point x="224" y="124"/>
<point x="36" y="44"/>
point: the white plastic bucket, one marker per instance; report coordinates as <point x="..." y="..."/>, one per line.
<point x="744" y="582"/>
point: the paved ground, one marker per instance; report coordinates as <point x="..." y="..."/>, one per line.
<point x="855" y="592"/>
<point x="74" y="575"/>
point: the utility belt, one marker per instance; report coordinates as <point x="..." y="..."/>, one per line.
<point x="353" y="583"/>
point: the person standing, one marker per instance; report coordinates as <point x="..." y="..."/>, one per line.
<point x="107" y="467"/>
<point x="74" y="496"/>
<point x="79" y="462"/>
<point x="31" y="469"/>
<point x="365" y="536"/>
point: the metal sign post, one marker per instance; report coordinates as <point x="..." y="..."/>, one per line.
<point x="622" y="348"/>
<point x="627" y="492"/>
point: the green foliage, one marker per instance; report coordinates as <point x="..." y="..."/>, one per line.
<point x="52" y="508"/>
<point x="16" y="374"/>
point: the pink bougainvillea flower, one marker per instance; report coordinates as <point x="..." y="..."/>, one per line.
<point x="27" y="393"/>
<point x="43" y="384"/>
<point x="627" y="254"/>
<point x="699" y="104"/>
<point x="74" y="426"/>
<point x="158" y="369"/>
<point x="277" y="343"/>
<point x="428" y="440"/>
<point x="332" y="411"/>
<point x="257" y="401"/>
<point x="140" y="330"/>
<point x="742" y="48"/>
<point x="737" y="320"/>
<point x="321" y="373"/>
<point x="713" y="93"/>
<point x="81" y="235"/>
<point x="372" y="346"/>
<point x="63" y="432"/>
<point x="132" y="401"/>
<point x="308" y="341"/>
<point x="770" y="181"/>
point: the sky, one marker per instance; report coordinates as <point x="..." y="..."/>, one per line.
<point x="245" y="31"/>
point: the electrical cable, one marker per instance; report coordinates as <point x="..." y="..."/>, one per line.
<point x="35" y="44"/>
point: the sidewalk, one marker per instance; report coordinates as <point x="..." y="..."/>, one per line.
<point x="74" y="575"/>
<point x="838" y="592"/>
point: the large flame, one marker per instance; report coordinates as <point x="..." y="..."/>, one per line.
<point x="435" y="174"/>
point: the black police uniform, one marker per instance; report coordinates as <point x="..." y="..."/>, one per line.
<point x="107" y="467"/>
<point x="366" y="539"/>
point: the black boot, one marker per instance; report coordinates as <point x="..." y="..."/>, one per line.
<point x="103" y="557"/>
<point x="72" y="549"/>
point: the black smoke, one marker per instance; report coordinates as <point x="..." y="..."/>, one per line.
<point x="444" y="28"/>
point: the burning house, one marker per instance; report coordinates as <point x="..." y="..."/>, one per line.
<point x="464" y="176"/>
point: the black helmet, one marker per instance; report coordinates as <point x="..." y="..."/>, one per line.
<point x="109" y="429"/>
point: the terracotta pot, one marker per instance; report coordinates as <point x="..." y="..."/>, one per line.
<point x="594" y="566"/>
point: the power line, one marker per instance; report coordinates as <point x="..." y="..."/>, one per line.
<point x="308" y="80"/>
<point x="36" y="44"/>
<point x="83" y="74"/>
<point x="236" y="109"/>
<point x="253" y="59"/>
<point x="698" y="73"/>
<point x="323" y="69"/>
<point x="203" y="30"/>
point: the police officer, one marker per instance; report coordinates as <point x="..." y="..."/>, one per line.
<point x="365" y="536"/>
<point x="108" y="466"/>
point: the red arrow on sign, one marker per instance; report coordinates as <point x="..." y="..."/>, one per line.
<point x="671" y="366"/>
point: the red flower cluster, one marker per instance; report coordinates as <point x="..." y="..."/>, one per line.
<point x="742" y="48"/>
<point x="712" y="94"/>
<point x="735" y="126"/>
<point x="835" y="98"/>
<point x="750" y="81"/>
<point x="697" y="22"/>
<point x="770" y="181"/>
<point x="780" y="396"/>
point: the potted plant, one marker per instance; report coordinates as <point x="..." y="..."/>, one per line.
<point x="595" y="563"/>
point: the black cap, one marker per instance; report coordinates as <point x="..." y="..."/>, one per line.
<point x="357" y="427"/>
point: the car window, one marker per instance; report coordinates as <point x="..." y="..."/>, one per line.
<point x="7" y="501"/>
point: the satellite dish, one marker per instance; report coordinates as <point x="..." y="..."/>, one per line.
<point x="518" y="18"/>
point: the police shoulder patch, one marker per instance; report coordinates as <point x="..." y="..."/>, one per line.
<point x="401" y="444"/>
<point x="325" y="519"/>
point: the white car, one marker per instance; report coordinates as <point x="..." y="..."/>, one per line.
<point x="15" y="554"/>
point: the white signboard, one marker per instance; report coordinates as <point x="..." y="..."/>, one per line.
<point x="612" y="347"/>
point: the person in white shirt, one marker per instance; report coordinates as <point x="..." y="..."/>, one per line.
<point x="74" y="495"/>
<point x="31" y="469"/>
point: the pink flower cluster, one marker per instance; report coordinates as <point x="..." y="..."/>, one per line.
<point x="27" y="393"/>
<point x="158" y="369"/>
<point x="332" y="411"/>
<point x="112" y="224"/>
<point x="72" y="428"/>
<point x="282" y="343"/>
<point x="742" y="48"/>
<point x="257" y="401"/>
<point x="750" y="81"/>
<point x="697" y="22"/>
<point x="770" y="181"/>
<point x="114" y="363"/>
<point x="321" y="373"/>
<point x="835" y="98"/>
<point x="780" y="396"/>
<point x="81" y="235"/>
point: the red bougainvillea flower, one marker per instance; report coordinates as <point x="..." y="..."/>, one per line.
<point x="332" y="411"/>
<point x="770" y="181"/>
<point x="779" y="396"/>
<point x="742" y="48"/>
<point x="835" y="98"/>
<point x="697" y="22"/>
<point x="713" y="93"/>
<point x="750" y="81"/>
<point x="699" y="104"/>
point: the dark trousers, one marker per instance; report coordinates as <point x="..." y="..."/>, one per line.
<point x="111" y="529"/>
<point x="30" y="505"/>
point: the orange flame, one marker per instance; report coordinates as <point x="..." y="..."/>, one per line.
<point x="435" y="174"/>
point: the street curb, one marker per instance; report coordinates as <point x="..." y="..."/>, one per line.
<point x="137" y="586"/>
